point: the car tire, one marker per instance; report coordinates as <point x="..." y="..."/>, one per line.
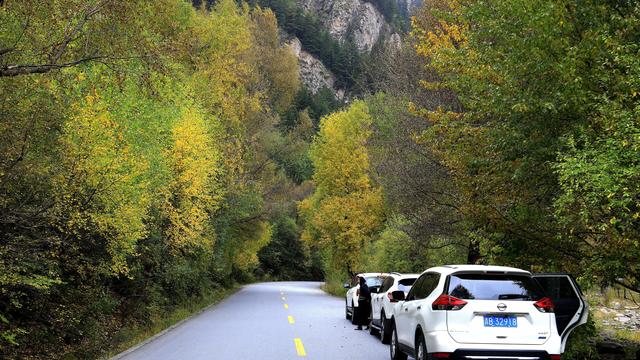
<point x="384" y="333"/>
<point x="394" y="348"/>
<point x="372" y="331"/>
<point x="346" y="311"/>
<point x="353" y="314"/>
<point x="421" y="347"/>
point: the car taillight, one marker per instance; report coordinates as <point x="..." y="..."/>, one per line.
<point x="544" y="305"/>
<point x="446" y="302"/>
<point x="440" y="355"/>
<point x="554" y="357"/>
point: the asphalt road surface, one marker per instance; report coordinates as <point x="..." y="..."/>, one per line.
<point x="272" y="321"/>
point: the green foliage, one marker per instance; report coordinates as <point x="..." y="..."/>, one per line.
<point x="343" y="59"/>
<point x="286" y="258"/>
<point x="346" y="208"/>
<point x="395" y="250"/>
<point x="581" y="343"/>
<point x="134" y="183"/>
<point x="545" y="152"/>
<point x="317" y="106"/>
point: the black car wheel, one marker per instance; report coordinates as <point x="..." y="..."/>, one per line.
<point x="353" y="313"/>
<point x="372" y="330"/>
<point x="384" y="333"/>
<point x="346" y="311"/>
<point x="394" y="348"/>
<point x="421" y="348"/>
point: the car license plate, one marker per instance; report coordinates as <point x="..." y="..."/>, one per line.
<point x="500" y="321"/>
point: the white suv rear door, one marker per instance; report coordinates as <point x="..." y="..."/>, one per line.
<point x="571" y="309"/>
<point x="407" y="312"/>
<point x="495" y="308"/>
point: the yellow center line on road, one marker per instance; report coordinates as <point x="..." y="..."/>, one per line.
<point x="286" y="306"/>
<point x="299" y="347"/>
<point x="291" y="320"/>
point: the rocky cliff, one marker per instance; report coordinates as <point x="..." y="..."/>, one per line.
<point x="357" y="20"/>
<point x="312" y="71"/>
<point x="409" y="5"/>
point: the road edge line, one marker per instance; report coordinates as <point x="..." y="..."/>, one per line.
<point x="172" y="327"/>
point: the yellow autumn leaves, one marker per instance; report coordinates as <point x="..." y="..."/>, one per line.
<point x="99" y="187"/>
<point x="195" y="191"/>
<point x="346" y="209"/>
<point x="161" y="157"/>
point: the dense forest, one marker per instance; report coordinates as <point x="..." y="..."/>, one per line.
<point x="143" y="165"/>
<point x="155" y="153"/>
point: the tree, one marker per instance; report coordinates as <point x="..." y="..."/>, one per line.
<point x="346" y="208"/>
<point x="33" y="42"/>
<point x="133" y="185"/>
<point x="541" y="88"/>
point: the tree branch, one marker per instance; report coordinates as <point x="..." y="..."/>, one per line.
<point x="16" y="70"/>
<point x="627" y="286"/>
<point x="71" y="35"/>
<point x="6" y="50"/>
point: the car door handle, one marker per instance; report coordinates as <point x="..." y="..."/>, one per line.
<point x="419" y="307"/>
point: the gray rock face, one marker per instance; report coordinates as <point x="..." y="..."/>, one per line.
<point x="355" y="19"/>
<point x="313" y="73"/>
<point x="409" y="5"/>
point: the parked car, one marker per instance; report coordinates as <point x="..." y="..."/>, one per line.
<point x="374" y="281"/>
<point x="486" y="312"/>
<point x="382" y="303"/>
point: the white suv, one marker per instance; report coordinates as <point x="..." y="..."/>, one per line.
<point x="382" y="303"/>
<point x="486" y="312"/>
<point x="374" y="281"/>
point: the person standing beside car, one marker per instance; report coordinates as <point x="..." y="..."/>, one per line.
<point x="363" y="310"/>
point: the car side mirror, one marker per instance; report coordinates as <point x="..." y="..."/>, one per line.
<point x="397" y="296"/>
<point x="346" y="286"/>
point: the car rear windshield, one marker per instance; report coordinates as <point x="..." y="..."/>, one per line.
<point x="374" y="281"/>
<point x="494" y="287"/>
<point x="405" y="284"/>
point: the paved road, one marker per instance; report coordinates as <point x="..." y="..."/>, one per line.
<point x="273" y="321"/>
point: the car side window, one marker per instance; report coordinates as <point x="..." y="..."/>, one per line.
<point x="421" y="290"/>
<point x="430" y="283"/>
<point x="415" y="289"/>
<point x="387" y="284"/>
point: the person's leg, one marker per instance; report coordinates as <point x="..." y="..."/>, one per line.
<point x="368" y="316"/>
<point x="357" y="315"/>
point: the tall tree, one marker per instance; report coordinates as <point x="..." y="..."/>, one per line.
<point x="346" y="208"/>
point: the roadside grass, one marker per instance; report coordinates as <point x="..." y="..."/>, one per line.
<point x="616" y="301"/>
<point x="600" y="317"/>
<point x="130" y="336"/>
<point x="334" y="287"/>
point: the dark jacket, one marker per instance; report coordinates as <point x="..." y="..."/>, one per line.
<point x="365" y="292"/>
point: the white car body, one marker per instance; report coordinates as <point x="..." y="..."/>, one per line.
<point x="351" y="300"/>
<point x="486" y="312"/>
<point x="382" y="305"/>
